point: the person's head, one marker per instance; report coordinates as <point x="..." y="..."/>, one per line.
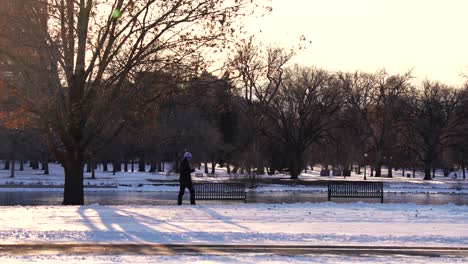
<point x="187" y="155"/>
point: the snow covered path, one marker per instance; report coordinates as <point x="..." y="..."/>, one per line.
<point x="306" y="224"/>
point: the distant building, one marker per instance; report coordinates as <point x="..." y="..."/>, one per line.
<point x="23" y="27"/>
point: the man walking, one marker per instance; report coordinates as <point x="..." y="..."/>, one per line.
<point x="185" y="179"/>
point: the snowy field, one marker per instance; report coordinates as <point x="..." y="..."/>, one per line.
<point x="349" y="224"/>
<point x="301" y="223"/>
<point x="278" y="224"/>
<point x="228" y="259"/>
<point x="168" y="182"/>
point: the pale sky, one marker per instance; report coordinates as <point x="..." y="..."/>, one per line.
<point x="430" y="36"/>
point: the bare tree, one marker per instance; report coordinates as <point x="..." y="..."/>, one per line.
<point x="302" y="112"/>
<point x="377" y="99"/>
<point x="258" y="76"/>
<point x="94" y="49"/>
<point x="433" y="123"/>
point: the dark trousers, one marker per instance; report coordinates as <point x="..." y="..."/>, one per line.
<point x="188" y="185"/>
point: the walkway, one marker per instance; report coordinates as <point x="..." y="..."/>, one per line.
<point x="222" y="249"/>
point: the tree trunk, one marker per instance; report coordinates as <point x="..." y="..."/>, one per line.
<point x="141" y="164"/>
<point x="115" y="166"/>
<point x="390" y="173"/>
<point x="88" y="166"/>
<point x="126" y="165"/>
<point x="7" y="165"/>
<point x="427" y="171"/>
<point x="12" y="171"/>
<point x="104" y="166"/>
<point x="133" y="165"/>
<point x="378" y="164"/>
<point x="213" y="168"/>
<point x="93" y="169"/>
<point x="463" y="169"/>
<point x="372" y="171"/>
<point x="160" y="166"/>
<point x="153" y="166"/>
<point x="433" y="172"/>
<point x="34" y="164"/>
<point x="21" y="168"/>
<point x="296" y="165"/>
<point x="414" y="171"/>
<point x="45" y="165"/>
<point x="228" y="168"/>
<point x="73" y="189"/>
<point x="403" y="172"/>
<point x="446" y="172"/>
<point x="177" y="166"/>
<point x="206" y="167"/>
<point x="261" y="167"/>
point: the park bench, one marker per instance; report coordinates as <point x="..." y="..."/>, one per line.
<point x="355" y="189"/>
<point x="220" y="191"/>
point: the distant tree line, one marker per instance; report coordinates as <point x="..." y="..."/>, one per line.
<point x="295" y="117"/>
<point x="126" y="82"/>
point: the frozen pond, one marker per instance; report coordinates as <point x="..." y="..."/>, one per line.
<point x="169" y="198"/>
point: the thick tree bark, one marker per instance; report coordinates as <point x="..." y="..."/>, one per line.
<point x="132" y="163"/>
<point x="21" y="168"/>
<point x="378" y="164"/>
<point x="153" y="166"/>
<point x="116" y="166"/>
<point x="46" y="167"/>
<point x="7" y="165"/>
<point x="34" y="164"/>
<point x="427" y="171"/>
<point x="88" y="166"/>
<point x="73" y="189"/>
<point x="206" y="167"/>
<point x="126" y="165"/>
<point x="104" y="166"/>
<point x="213" y="167"/>
<point x="296" y="165"/>
<point x="261" y="167"/>
<point x="93" y="169"/>
<point x="141" y="164"/>
<point x="463" y="169"/>
<point x="228" y="168"/>
<point x="390" y="173"/>
<point x="12" y="171"/>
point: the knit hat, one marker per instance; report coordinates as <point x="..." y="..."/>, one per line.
<point x="187" y="155"/>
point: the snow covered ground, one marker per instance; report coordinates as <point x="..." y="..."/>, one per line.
<point x="234" y="223"/>
<point x="30" y="180"/>
<point x="274" y="224"/>
<point x="301" y="223"/>
<point x="227" y="259"/>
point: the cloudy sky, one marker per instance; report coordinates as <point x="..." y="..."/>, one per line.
<point x="430" y="36"/>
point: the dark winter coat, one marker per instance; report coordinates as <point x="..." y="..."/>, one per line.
<point x="185" y="171"/>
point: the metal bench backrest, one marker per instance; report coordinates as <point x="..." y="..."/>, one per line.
<point x="219" y="191"/>
<point x="355" y="189"/>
